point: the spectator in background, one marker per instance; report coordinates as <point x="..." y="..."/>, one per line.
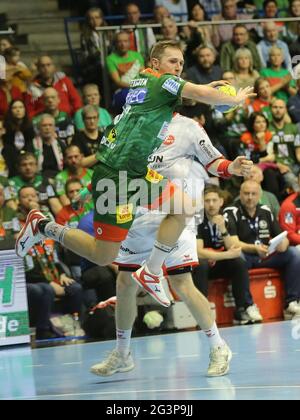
<point x="92" y="96"/>
<point x="220" y="256"/>
<point x="223" y="33"/>
<point x="205" y="71"/>
<point x="244" y="72"/>
<point x="141" y="40"/>
<point x="240" y="39"/>
<point x="89" y="139"/>
<point x="295" y="45"/>
<point x="262" y="102"/>
<point x="3" y="166"/>
<point x="123" y="66"/>
<point x="8" y="93"/>
<point x="271" y="39"/>
<point x="280" y="79"/>
<point x="45" y="277"/>
<point x="73" y="169"/>
<point x="199" y="14"/>
<point x="281" y="4"/>
<point x="289" y="217"/>
<point x="294" y="105"/>
<point x="9" y="225"/>
<point x="29" y="177"/>
<point x="91" y="47"/>
<point x="70" y="100"/>
<point x="175" y="7"/>
<point x="253" y="226"/>
<point x="270" y="11"/>
<point x="47" y="148"/>
<point x="212" y="7"/>
<point x="16" y="71"/>
<point x="19" y="135"/>
<point x="293" y="27"/>
<point x="5" y="44"/>
<point x="64" y="126"/>
<point x="159" y="13"/>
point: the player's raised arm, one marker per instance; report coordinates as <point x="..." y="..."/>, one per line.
<point x="212" y="96"/>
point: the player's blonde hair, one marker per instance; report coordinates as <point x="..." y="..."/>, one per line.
<point x="159" y="48"/>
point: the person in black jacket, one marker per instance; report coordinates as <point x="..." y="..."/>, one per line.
<point x="18" y="137"/>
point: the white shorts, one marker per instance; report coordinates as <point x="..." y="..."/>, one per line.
<point x="139" y="243"/>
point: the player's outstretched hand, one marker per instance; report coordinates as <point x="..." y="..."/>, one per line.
<point x="244" y="94"/>
<point x="241" y="166"/>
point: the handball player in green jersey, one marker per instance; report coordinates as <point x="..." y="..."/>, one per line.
<point x="122" y="180"/>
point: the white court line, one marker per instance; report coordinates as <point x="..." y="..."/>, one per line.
<point x="71" y="363"/>
<point x="35" y="366"/>
<point x="224" y="388"/>
<point x="266" y="351"/>
<point x="149" y="358"/>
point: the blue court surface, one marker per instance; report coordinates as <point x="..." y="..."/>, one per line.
<point x="266" y="365"/>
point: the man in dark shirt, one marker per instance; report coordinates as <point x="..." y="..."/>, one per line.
<point x="205" y="71"/>
<point x="254" y="225"/>
<point x="220" y="257"/>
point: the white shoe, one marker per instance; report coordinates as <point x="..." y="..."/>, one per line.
<point x="30" y="234"/>
<point x="114" y="363"/>
<point x="152" y="284"/>
<point x="220" y="358"/>
<point x="292" y="311"/>
<point x="254" y="313"/>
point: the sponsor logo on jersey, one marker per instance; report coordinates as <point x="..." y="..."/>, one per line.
<point x="289" y="219"/>
<point x="263" y="225"/>
<point x="138" y="83"/>
<point x="171" y="86"/>
<point x="163" y="131"/>
<point x="169" y="140"/>
<point x="124" y="213"/>
<point x="99" y="231"/>
<point x="155" y="159"/>
<point x="153" y="176"/>
<point x="136" y="96"/>
<point x="112" y="136"/>
<point x="109" y="140"/>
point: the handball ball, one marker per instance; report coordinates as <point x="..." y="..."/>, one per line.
<point x="153" y="319"/>
<point x="230" y="91"/>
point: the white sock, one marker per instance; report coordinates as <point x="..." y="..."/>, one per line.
<point x="56" y="232"/>
<point x="214" y="338"/>
<point x="123" y="341"/>
<point x="158" y="255"/>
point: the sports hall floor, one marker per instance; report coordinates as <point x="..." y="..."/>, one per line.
<point x="266" y="365"/>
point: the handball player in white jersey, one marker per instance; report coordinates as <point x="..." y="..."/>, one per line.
<point x="178" y="158"/>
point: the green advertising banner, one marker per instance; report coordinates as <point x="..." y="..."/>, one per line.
<point x="14" y="323"/>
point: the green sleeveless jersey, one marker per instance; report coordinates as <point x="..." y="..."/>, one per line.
<point x="142" y="126"/>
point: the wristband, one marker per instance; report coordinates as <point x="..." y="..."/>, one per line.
<point x="223" y="169"/>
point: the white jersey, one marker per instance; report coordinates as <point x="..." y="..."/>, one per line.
<point x="185" y="142"/>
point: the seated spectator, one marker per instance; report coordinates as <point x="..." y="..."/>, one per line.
<point x="175" y="7"/>
<point x="8" y="93"/>
<point x="29" y="177"/>
<point x="90" y="42"/>
<point x="270" y="11"/>
<point x="47" y="148"/>
<point x="16" y="71"/>
<point x="9" y="225"/>
<point x="295" y="45"/>
<point x="292" y="28"/>
<point x="99" y="281"/>
<point x="169" y="32"/>
<point x="245" y="75"/>
<point x="71" y="214"/>
<point x="253" y="226"/>
<point x="45" y="277"/>
<point x="89" y="139"/>
<point x="159" y="14"/>
<point x="285" y="144"/>
<point x="267" y="198"/>
<point x="254" y="142"/>
<point x="289" y="217"/>
<point x="281" y="4"/>
<point x="70" y="100"/>
<point x="198" y="14"/>
<point x="123" y="66"/>
<point x="223" y="33"/>
<point x="211" y="7"/>
<point x="92" y="96"/>
<point x="240" y="39"/>
<point x="64" y="126"/>
<point x="141" y="40"/>
<point x="262" y="102"/>
<point x="220" y="257"/>
<point x="280" y="79"/>
<point x="271" y="39"/>
<point x="294" y="105"/>
<point x="205" y="70"/>
<point x="3" y="166"/>
<point x="18" y="136"/>
<point x="5" y="44"/>
<point x="73" y="169"/>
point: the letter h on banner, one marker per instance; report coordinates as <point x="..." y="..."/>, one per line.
<point x="6" y="285"/>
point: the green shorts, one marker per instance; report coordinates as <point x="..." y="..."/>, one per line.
<point x="117" y="195"/>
